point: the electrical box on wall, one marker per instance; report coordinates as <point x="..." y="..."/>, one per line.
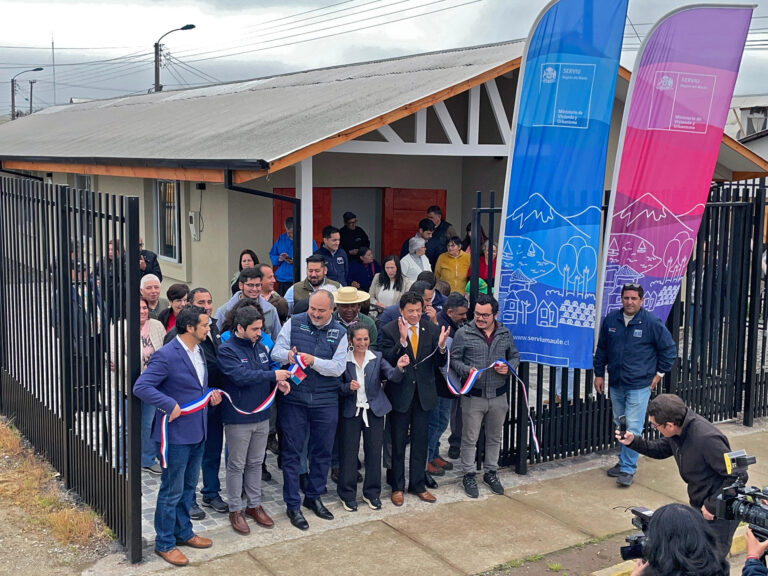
<point x="194" y="225"/>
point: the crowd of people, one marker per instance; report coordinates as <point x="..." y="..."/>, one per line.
<point x="355" y="352"/>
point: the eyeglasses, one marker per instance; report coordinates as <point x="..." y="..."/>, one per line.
<point x="631" y="286"/>
<point x="483" y="315"/>
<point x="657" y="426"/>
<point x="252" y="285"/>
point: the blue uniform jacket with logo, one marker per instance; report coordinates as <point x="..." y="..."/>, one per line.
<point x="247" y="377"/>
<point x="635" y="352"/>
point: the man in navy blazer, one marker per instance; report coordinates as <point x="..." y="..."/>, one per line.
<point x="177" y="375"/>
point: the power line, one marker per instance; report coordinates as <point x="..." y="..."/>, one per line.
<point x="342" y="32"/>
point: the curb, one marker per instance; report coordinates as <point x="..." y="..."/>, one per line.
<point x="738" y="546"/>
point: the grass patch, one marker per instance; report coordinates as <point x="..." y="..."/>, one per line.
<point x="554" y="567"/>
<point x="29" y="483"/>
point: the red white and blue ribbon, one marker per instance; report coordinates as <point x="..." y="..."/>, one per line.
<point x="199" y="404"/>
<point x="297" y="369"/>
<point x="474" y="375"/>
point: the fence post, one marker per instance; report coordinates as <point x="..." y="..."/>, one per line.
<point x="3" y="285"/>
<point x="133" y="354"/>
<point x="673" y="325"/>
<point x="754" y="305"/>
<point x="63" y="321"/>
<point x="521" y="423"/>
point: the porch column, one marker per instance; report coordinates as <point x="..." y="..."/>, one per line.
<point x="304" y="192"/>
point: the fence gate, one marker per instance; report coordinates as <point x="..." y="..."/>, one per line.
<point x="69" y="332"/>
<point x="718" y="322"/>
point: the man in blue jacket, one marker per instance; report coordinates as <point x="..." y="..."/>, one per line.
<point x="335" y="258"/>
<point x="313" y="404"/>
<point x="638" y="350"/>
<point x="244" y="361"/>
<point x="175" y="376"/>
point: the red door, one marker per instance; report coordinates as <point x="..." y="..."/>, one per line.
<point x="321" y="204"/>
<point x="403" y="209"/>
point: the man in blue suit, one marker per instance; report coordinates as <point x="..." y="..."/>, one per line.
<point x="177" y="375"/>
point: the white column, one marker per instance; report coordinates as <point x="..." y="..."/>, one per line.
<point x="304" y="192"/>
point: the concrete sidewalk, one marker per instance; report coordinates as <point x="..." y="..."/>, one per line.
<point x="556" y="506"/>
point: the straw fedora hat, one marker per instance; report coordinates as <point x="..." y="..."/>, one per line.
<point x="350" y="295"/>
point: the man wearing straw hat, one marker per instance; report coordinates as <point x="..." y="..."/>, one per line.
<point x="348" y="300"/>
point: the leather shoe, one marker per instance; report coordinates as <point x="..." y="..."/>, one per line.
<point x="397" y="497"/>
<point x="173" y="556"/>
<point x="426" y="496"/>
<point x="442" y="463"/>
<point x="429" y="482"/>
<point x="435" y="470"/>
<point x="238" y="522"/>
<point x="197" y="542"/>
<point x="261" y="517"/>
<point x="318" y="508"/>
<point x="297" y="519"/>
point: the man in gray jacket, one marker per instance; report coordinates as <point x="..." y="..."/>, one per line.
<point x="477" y="345"/>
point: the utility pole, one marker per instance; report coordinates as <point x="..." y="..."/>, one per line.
<point x="13" y="98"/>
<point x="158" y="48"/>
<point x="31" y="83"/>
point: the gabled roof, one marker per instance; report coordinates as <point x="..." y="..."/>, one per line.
<point x="242" y="123"/>
<point x="266" y="124"/>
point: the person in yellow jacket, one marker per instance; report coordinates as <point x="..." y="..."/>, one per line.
<point x="453" y="265"/>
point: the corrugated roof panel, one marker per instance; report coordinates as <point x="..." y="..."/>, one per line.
<point x="265" y="118"/>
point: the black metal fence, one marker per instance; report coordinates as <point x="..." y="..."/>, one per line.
<point x="719" y="321"/>
<point x="69" y="331"/>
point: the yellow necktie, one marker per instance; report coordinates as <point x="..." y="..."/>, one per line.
<point x="414" y="340"/>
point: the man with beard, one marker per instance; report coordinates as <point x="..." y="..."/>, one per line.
<point x="316" y="280"/>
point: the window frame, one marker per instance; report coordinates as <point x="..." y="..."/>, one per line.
<point x="161" y="210"/>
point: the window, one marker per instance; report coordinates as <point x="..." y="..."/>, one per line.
<point x="168" y="219"/>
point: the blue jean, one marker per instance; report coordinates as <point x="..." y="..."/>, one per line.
<point x="150" y="451"/>
<point x="438" y="422"/>
<point x="632" y="403"/>
<point x="177" y="492"/>
<point x="295" y="420"/>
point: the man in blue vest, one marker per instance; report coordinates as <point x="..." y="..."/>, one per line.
<point x="313" y="404"/>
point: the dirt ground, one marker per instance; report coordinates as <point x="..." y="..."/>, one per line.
<point x="26" y="550"/>
<point x="576" y="561"/>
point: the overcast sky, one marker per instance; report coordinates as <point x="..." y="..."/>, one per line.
<point x="239" y="39"/>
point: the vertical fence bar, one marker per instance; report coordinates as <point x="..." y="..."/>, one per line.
<point x="754" y="307"/>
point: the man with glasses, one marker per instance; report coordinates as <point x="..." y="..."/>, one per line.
<point x="250" y="287"/>
<point x="477" y="345"/>
<point x="698" y="449"/>
<point x="638" y="350"/>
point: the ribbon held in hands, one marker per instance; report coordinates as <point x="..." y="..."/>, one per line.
<point x="199" y="404"/>
<point x="297" y="369"/>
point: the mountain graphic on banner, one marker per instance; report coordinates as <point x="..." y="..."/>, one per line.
<point x="633" y="251"/>
<point x="588" y="217"/>
<point x="528" y="218"/>
<point x="646" y="212"/>
<point x="527" y="256"/>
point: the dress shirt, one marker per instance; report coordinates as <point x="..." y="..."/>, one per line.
<point x="327" y="367"/>
<point x="196" y="357"/>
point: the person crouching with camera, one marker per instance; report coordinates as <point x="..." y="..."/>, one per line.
<point x="698" y="448"/>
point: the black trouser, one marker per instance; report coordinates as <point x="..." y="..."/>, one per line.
<point x="419" y="422"/>
<point x="723" y="530"/>
<point x="349" y="446"/>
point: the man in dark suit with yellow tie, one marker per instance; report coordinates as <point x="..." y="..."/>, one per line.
<point x="416" y="395"/>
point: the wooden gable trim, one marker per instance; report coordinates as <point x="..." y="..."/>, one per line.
<point x="186" y="174"/>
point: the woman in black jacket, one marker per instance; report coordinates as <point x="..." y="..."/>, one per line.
<point x="364" y="406"/>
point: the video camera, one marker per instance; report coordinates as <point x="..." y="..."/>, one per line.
<point x="741" y="502"/>
<point x="635" y="542"/>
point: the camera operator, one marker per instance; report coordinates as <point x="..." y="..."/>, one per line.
<point x="680" y="543"/>
<point x="698" y="449"/>
<point x="755" y="551"/>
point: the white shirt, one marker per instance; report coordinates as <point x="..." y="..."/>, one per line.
<point x="362" y="398"/>
<point x="196" y="357"/>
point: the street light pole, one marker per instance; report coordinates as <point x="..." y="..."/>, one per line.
<point x="158" y="47"/>
<point x="13" y="91"/>
<point x="31" y="83"/>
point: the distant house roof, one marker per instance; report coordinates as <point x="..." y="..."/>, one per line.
<point x="269" y="123"/>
